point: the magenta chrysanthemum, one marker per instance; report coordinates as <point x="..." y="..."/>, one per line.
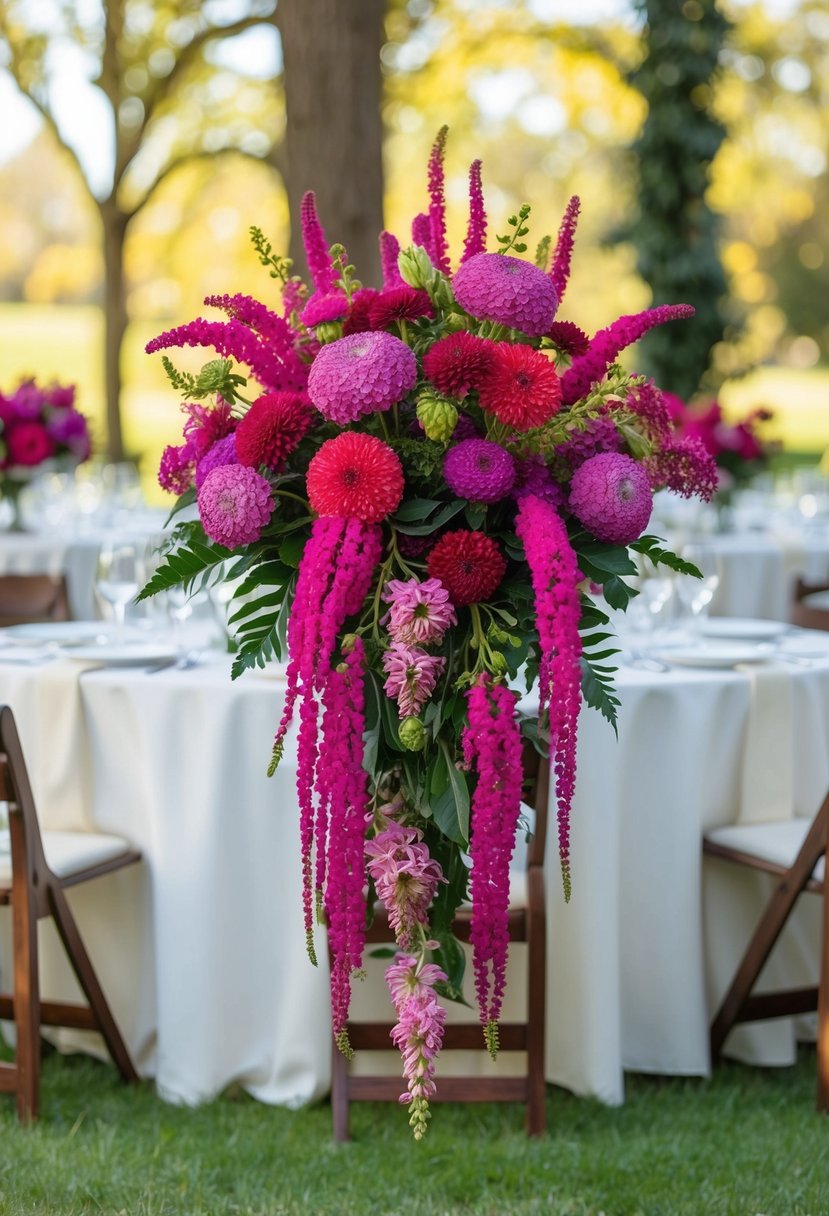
<point x="420" y="612"/>
<point x="555" y="580"/>
<point x="177" y="468"/>
<point x="235" y="504"/>
<point x="272" y="428"/>
<point x="361" y="374"/>
<point x="611" y="495"/>
<point x="521" y="387"/>
<point x="332" y="306"/>
<point x="507" y="290"/>
<point x="223" y="452"/>
<point x="357" y="476"/>
<point x="411" y="677"/>
<point x="469" y="564"/>
<point x="457" y="363"/>
<point x="479" y="470"/>
<point x="206" y="425"/>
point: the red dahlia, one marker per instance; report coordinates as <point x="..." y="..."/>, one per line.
<point x="568" y="338"/>
<point x="399" y="304"/>
<point x="521" y="387"/>
<point x="458" y="363"/>
<point x="358" y="320"/>
<point x="469" y="564"/>
<point x="357" y="476"/>
<point x="273" y="426"/>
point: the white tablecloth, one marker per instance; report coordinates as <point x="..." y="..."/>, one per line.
<point x="203" y="956"/>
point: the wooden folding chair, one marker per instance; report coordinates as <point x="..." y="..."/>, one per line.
<point x="527" y="923"/>
<point x="42" y="867"/>
<point x="794" y="851"/>
<point x="810" y="605"/>
<point x="29" y="598"/>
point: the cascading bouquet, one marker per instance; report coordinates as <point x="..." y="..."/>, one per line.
<point x="38" y="425"/>
<point x="415" y="512"/>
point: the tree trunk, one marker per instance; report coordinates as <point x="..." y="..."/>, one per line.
<point x="333" y="138"/>
<point x="115" y="323"/>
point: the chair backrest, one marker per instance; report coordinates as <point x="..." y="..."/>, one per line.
<point x="804" y="614"/>
<point x="28" y="598"/>
<point x="536" y="794"/>
<point x="16" y="791"/>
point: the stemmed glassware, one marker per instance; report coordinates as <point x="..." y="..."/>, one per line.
<point x="119" y="576"/>
<point x="696" y="594"/>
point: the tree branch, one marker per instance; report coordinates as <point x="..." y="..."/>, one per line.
<point x="187" y="159"/>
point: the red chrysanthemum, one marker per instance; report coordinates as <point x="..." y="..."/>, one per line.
<point x="273" y="426"/>
<point x="357" y="476"/>
<point x="521" y="387"/>
<point x="399" y="304"/>
<point x="457" y="363"/>
<point x="568" y="338"/>
<point x="469" y="564"/>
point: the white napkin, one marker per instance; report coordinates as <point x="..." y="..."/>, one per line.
<point x="768" y="754"/>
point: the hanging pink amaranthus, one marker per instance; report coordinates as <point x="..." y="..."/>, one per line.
<point x="476" y="228"/>
<point x="555" y="578"/>
<point x="560" y="269"/>
<point x="607" y="344"/>
<point x="335" y="574"/>
<point x="342" y="789"/>
<point x="439" y="251"/>
<point x="492" y="746"/>
<point x="316" y="246"/>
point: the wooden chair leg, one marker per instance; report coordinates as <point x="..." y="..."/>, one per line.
<point x="26" y="1010"/>
<point x="823" y="1005"/>
<point x="88" y="980"/>
<point x="536" y="1006"/>
<point x="339" y="1094"/>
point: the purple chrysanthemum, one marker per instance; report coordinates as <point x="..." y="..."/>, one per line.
<point x="360" y="374"/>
<point x="222" y="453"/>
<point x="479" y="470"/>
<point x="497" y="287"/>
<point x="235" y="504"/>
<point x="611" y="495"/>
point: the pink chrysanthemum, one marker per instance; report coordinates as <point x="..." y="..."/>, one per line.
<point x="469" y="564"/>
<point x="356" y="476"/>
<point x="521" y="387"/>
<point x="479" y="470"/>
<point x="533" y="477"/>
<point x="332" y="306"/>
<point x="361" y="374"/>
<point x="399" y="304"/>
<point x="176" y="468"/>
<point x="272" y="428"/>
<point x="611" y="495"/>
<point x="235" y="504"/>
<point x="457" y="363"/>
<point x="507" y="290"/>
<point x="223" y="452"/>
<point x="420" y="613"/>
<point x="412" y="675"/>
<point x="28" y="443"/>
<point x="418" y="1034"/>
<point x="405" y="878"/>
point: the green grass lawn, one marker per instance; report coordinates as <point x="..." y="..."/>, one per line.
<point x="747" y="1143"/>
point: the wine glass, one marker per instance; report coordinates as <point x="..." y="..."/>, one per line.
<point x="696" y="594"/>
<point x="118" y="578"/>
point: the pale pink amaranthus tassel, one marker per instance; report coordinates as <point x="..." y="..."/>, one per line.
<point x="317" y="254"/>
<point x="555" y="577"/>
<point x="389" y="253"/>
<point x="476" y="228"/>
<point x="560" y="269"/>
<point x="335" y="574"/>
<point x="492" y="746"/>
<point x="342" y="788"/>
<point x="607" y="344"/>
<point x="418" y="1034"/>
<point x="439" y="251"/>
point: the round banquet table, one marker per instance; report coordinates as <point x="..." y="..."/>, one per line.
<point x="202" y="949"/>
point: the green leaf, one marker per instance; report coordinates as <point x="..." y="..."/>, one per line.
<point x="182" y="566"/>
<point x="290" y="551"/>
<point x="610" y="559"/>
<point x="415" y="509"/>
<point x="617" y="593"/>
<point x="475" y="515"/>
<point x="598" y="690"/>
<point x="432" y="525"/>
<point x="652" y="548"/>
<point x="450" y="809"/>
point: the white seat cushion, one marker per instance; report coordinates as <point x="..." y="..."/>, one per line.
<point x="778" y="842"/>
<point x="69" y="852"/>
<point x="816" y="599"/>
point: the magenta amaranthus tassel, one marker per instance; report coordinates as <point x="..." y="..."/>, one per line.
<point x="492" y="745"/>
<point x="272" y="328"/>
<point x="606" y="345"/>
<point x="555" y="578"/>
<point x="389" y="253"/>
<point x="316" y="246"/>
<point x="437" y="204"/>
<point x="560" y="269"/>
<point x="234" y="340"/>
<point x="476" y="228"/>
<point x="422" y="233"/>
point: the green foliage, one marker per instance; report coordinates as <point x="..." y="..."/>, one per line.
<point x="676" y="233"/>
<point x="519" y="229"/>
<point x="182" y="567"/>
<point x="652" y="548"/>
<point x="260" y="620"/>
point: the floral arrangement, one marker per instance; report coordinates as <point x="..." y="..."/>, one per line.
<point x="39" y="425"/>
<point x="739" y="448"/>
<point x="414" y="512"/>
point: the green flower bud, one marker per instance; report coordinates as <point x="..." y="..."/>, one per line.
<point x="498" y="663"/>
<point x="415" y="267"/>
<point x="328" y="331"/>
<point x="213" y="377"/>
<point x="436" y="415"/>
<point x="413" y="734"/>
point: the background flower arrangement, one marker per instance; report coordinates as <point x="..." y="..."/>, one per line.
<point x="740" y="448"/>
<point x="39" y="425"/>
<point x="414" y="513"/>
